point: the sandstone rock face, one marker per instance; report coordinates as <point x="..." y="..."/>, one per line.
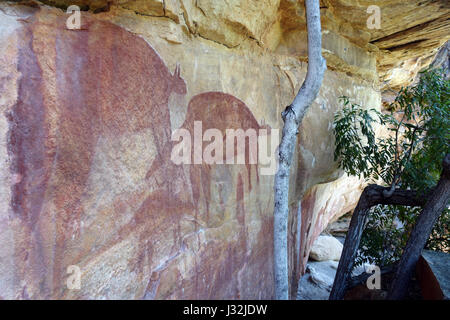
<point x="326" y="248"/>
<point x="317" y="282"/>
<point x="432" y="273"/>
<point x="85" y="140"/>
<point x="409" y="36"/>
<point x="339" y="227"/>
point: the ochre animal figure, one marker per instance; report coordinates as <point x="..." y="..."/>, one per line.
<point x="214" y="110"/>
<point x="105" y="82"/>
<point x="80" y="88"/>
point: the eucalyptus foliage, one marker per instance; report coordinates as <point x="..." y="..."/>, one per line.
<point x="408" y="157"/>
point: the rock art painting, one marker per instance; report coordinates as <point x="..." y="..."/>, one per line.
<point x="93" y="105"/>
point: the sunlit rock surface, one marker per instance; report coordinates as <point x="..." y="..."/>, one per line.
<point x="326" y="248"/>
<point x="85" y="125"/>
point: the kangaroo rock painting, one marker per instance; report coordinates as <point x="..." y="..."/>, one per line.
<point x="191" y="189"/>
<point x="90" y="143"/>
<point x="216" y="110"/>
<point x="53" y="142"/>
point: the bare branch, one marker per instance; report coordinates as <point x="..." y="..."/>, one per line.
<point x="371" y="196"/>
<point x="434" y="207"/>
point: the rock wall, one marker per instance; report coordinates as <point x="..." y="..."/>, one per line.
<point x="85" y="126"/>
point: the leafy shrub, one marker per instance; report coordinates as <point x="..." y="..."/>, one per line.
<point x="410" y="157"/>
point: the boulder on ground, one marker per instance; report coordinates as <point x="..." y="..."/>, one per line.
<point x="317" y="281"/>
<point x="326" y="248"/>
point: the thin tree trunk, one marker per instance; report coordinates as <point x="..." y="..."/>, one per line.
<point x="434" y="207"/>
<point x="371" y="196"/>
<point x="292" y="117"/>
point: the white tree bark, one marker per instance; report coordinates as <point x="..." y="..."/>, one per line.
<point x="292" y="117"/>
